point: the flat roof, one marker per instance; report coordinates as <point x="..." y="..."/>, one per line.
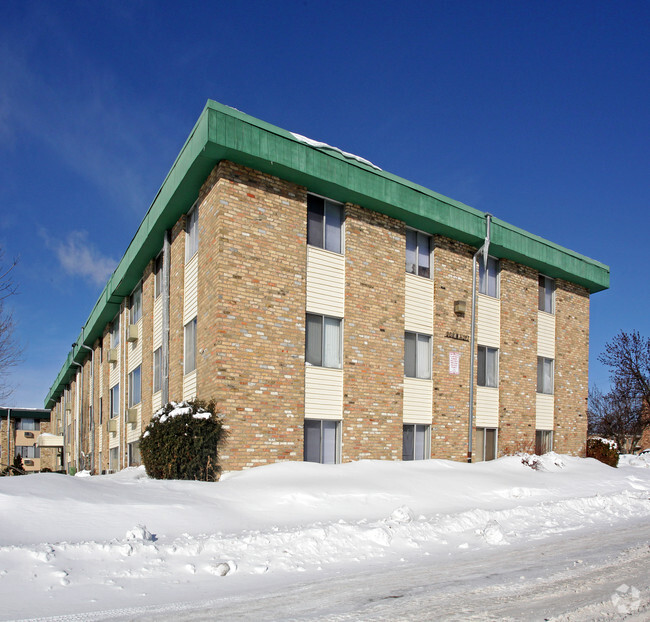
<point x="223" y="133"/>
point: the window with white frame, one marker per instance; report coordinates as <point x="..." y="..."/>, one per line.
<point x="27" y="424"/>
<point x="157" y="280"/>
<point x="417" y="355"/>
<point x="488" y="278"/>
<point x="546" y="290"/>
<point x="113" y="459"/>
<point x="324" y="224"/>
<point x="323" y="341"/>
<point x="418" y="253"/>
<point x="135" y="307"/>
<point x="135" y="386"/>
<point x="488" y="367"/>
<point x="189" y="360"/>
<point x="416" y="439"/>
<point x="486" y="444"/>
<point x="114" y="395"/>
<point x="134" y="454"/>
<point x="544" y="375"/>
<point x="115" y="332"/>
<point x="192" y="234"/>
<point x="543" y="441"/>
<point x="157" y="370"/>
<point x="321" y="441"/>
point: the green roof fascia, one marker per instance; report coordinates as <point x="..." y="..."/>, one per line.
<point x="223" y="133"/>
<point x="24" y="413"/>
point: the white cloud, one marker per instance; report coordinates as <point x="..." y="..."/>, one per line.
<point x="78" y="257"/>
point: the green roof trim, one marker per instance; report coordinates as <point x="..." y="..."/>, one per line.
<point x="24" y="413"/>
<point x="223" y="133"/>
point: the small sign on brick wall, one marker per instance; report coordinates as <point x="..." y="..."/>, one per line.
<point x="454" y="363"/>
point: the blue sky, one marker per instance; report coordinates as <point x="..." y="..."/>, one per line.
<point x="538" y="112"/>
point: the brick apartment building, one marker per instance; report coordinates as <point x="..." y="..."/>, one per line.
<point x="327" y="306"/>
<point x="25" y="432"/>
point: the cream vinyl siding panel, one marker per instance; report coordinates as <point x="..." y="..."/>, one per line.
<point x="135" y="350"/>
<point x="544" y="418"/>
<point x="101" y="439"/>
<point x="488" y="321"/>
<point x="325" y="282"/>
<point x="545" y="335"/>
<point x="189" y="385"/>
<point x="157" y="323"/>
<point x="133" y="431"/>
<point x="323" y="393"/>
<point x="487" y="407"/>
<point x="114" y="439"/>
<point x="418" y="401"/>
<point x="418" y="304"/>
<point x="114" y="374"/>
<point x="156" y="402"/>
<point x="191" y="284"/>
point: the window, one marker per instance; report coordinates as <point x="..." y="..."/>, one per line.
<point x="115" y="332"/>
<point x="544" y="375"/>
<point x="114" y="396"/>
<point x="486" y="444"/>
<point x="190" y="346"/>
<point x="135" y="392"/>
<point x="488" y="367"/>
<point x="543" y="441"/>
<point x="416" y="442"/>
<point x="321" y="441"/>
<point x="135" y="311"/>
<point x="113" y="458"/>
<point x="101" y="410"/>
<point x="27" y="424"/>
<point x="417" y="355"/>
<point x="157" y="281"/>
<point x="418" y="253"/>
<point x="192" y="234"/>
<point x="323" y="341"/>
<point x="488" y="280"/>
<point x="28" y="452"/>
<point x="157" y="370"/>
<point x="134" y="454"/>
<point x="546" y="294"/>
<point x="324" y="224"/>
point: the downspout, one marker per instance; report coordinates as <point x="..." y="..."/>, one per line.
<point x="77" y="399"/>
<point x="484" y="250"/>
<point x="91" y="423"/>
<point x="164" y="363"/>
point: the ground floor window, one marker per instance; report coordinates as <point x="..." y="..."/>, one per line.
<point x="28" y="452"/>
<point x="134" y="454"/>
<point x="321" y="441"/>
<point x="543" y="441"/>
<point x="113" y="456"/>
<point x="416" y="442"/>
<point x="486" y="444"/>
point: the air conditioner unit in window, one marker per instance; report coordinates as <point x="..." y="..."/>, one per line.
<point x="132" y="332"/>
<point x="112" y="355"/>
<point x="112" y="426"/>
<point x="68" y="409"/>
<point x="28" y="463"/>
<point x="29" y="435"/>
<point x="132" y="415"/>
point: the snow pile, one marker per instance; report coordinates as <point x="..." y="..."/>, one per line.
<point x="77" y="548"/>
<point x="319" y="145"/>
<point x="641" y="461"/>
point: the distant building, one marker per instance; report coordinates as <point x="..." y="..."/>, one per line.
<point x="22" y="430"/>
<point x="327" y="306"/>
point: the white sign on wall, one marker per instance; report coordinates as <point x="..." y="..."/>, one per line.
<point x="454" y="363"/>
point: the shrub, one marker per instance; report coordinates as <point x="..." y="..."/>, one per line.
<point x="603" y="450"/>
<point x="182" y="441"/>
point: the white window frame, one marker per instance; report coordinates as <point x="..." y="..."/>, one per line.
<point x="114" y="401"/>
<point x="423" y="369"/>
<point x="483" y="282"/>
<point x="485" y="361"/>
<point x="426" y="450"/>
<point x="115" y="331"/>
<point x="337" y="440"/>
<point x="414" y="266"/>
<point x="189" y="349"/>
<point x="133" y="385"/>
<point x="135" y="304"/>
<point x="192" y="233"/>
<point x="542" y="291"/>
<point x="542" y="361"/>
<point x="325" y="321"/>
<point x="315" y="201"/>
<point x="113" y="459"/>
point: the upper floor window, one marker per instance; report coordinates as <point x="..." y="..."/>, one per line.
<point x="157" y="280"/>
<point x="417" y="355"/>
<point x="488" y="367"/>
<point x="546" y="294"/>
<point x="190" y="347"/>
<point x="135" y="309"/>
<point x="544" y="375"/>
<point x="324" y="223"/>
<point x="135" y="387"/>
<point x="323" y="341"/>
<point x="192" y="234"/>
<point x="26" y="424"/>
<point x="418" y="253"/>
<point x="115" y="332"/>
<point x="488" y="279"/>
<point x="157" y="370"/>
<point x="114" y="395"/>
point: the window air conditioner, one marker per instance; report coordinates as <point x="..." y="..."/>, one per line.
<point x="132" y="332"/>
<point x="112" y="425"/>
<point x="112" y="355"/>
<point x="132" y="415"/>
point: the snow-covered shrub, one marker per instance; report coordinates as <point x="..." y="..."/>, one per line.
<point x="182" y="441"/>
<point x="604" y="450"/>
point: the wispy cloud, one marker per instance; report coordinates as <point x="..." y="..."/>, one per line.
<point x="78" y="257"/>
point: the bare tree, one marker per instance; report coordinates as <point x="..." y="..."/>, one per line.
<point x="9" y="350"/>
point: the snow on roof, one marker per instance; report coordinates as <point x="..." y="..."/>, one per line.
<point x="319" y="145"/>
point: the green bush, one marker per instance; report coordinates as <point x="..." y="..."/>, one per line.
<point x="603" y="450"/>
<point x="182" y="441"/>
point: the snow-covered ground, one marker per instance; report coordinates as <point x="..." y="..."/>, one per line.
<point x="369" y="540"/>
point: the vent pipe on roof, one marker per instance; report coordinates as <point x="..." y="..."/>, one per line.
<point x="484" y="252"/>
